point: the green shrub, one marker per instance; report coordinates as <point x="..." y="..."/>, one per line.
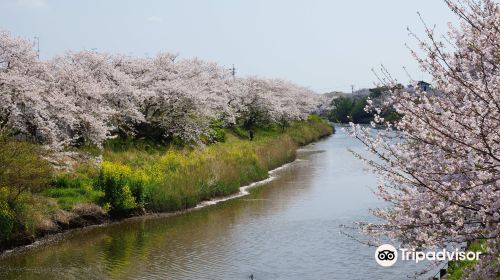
<point x="22" y="168"/>
<point x="456" y="269"/>
<point x="240" y="132"/>
<point x="216" y="133"/>
<point x="26" y="215"/>
<point x="23" y="171"/>
<point x="7" y="221"/>
<point x="342" y="109"/>
<point x="116" y="181"/>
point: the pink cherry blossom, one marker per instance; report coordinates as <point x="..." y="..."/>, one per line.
<point x="439" y="166"/>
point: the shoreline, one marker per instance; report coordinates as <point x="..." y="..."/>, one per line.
<point x="62" y="233"/>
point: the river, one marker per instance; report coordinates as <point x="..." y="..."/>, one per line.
<point x="287" y="228"/>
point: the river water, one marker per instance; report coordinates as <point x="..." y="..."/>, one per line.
<point x="285" y="229"/>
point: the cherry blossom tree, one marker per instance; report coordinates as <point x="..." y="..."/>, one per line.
<point x="180" y="96"/>
<point x="87" y="97"/>
<point x="29" y="108"/>
<point x="273" y="101"/>
<point x="439" y="166"/>
<point x="104" y="99"/>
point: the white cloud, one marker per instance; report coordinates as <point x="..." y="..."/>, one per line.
<point x="32" y="3"/>
<point x="154" y="19"/>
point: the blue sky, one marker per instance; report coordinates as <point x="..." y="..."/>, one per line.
<point x="325" y="45"/>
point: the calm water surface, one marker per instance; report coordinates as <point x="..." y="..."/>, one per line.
<point x="285" y="229"/>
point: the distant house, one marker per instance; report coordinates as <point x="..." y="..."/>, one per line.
<point x="424" y="86"/>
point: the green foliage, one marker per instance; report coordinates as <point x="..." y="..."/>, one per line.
<point x="70" y="196"/>
<point x="315" y="128"/>
<point x="456" y="269"/>
<point x="133" y="156"/>
<point x="117" y="181"/>
<point x="121" y="144"/>
<point x="25" y="215"/>
<point x="348" y="109"/>
<point x="255" y="117"/>
<point x="68" y="180"/>
<point x="90" y="149"/>
<point x="315" y="119"/>
<point x="377" y="92"/>
<point x="217" y="133"/>
<point x="23" y="171"/>
<point x="181" y="178"/>
<point x="22" y="168"/>
<point x="358" y="113"/>
<point x="391" y="115"/>
<point x="7" y="221"/>
<point x="74" y="188"/>
<point x="351" y="109"/>
<point x="342" y="109"/>
<point x="240" y="132"/>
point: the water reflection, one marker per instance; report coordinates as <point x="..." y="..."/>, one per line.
<point x="287" y="229"/>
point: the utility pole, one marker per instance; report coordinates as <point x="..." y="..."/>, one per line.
<point x="233" y="72"/>
<point x="352" y="88"/>
<point x="37" y="43"/>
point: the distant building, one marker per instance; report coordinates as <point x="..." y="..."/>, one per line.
<point x="424" y="86"/>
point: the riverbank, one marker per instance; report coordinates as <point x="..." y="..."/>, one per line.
<point x="284" y="229"/>
<point x="50" y="238"/>
<point x="135" y="181"/>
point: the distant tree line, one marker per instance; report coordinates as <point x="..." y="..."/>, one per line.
<point x="352" y="108"/>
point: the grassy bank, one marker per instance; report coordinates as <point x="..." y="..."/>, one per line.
<point x="140" y="177"/>
<point x="456" y="269"/>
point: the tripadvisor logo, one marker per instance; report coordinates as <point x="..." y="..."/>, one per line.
<point x="386" y="255"/>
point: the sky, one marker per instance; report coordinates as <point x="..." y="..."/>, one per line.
<point x="324" y="45"/>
